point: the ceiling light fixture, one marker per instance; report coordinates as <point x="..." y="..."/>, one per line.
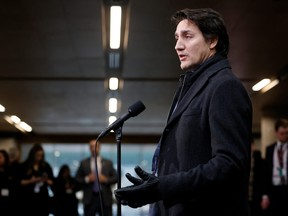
<point x="16" y="121"/>
<point x="113" y="83"/>
<point x="112" y="105"/>
<point x="8" y="119"/>
<point x="2" y="108"/>
<point x="115" y="26"/>
<point x="258" y="86"/>
<point x="112" y="119"/>
<point x="25" y="126"/>
<point x="270" y="85"/>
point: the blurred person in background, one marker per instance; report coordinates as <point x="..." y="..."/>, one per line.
<point x="8" y="186"/>
<point x="36" y="179"/>
<point x="14" y="161"/>
<point x="65" y="187"/>
<point x="256" y="180"/>
<point x="275" y="199"/>
<point x="87" y="177"/>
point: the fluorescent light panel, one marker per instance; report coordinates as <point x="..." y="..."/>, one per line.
<point x="25" y="126"/>
<point x="112" y="119"/>
<point x="113" y="83"/>
<point x="270" y="85"/>
<point x="258" y="86"/>
<point x="2" y="108"/>
<point x="8" y="119"/>
<point x="16" y="121"/>
<point x="112" y="105"/>
<point x="115" y="26"/>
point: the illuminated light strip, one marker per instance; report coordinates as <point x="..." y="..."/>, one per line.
<point x="115" y="26"/>
<point x="113" y="83"/>
<point x="269" y="86"/>
<point x="112" y="105"/>
<point x="258" y="86"/>
<point x="16" y="121"/>
<point x="2" y="108"/>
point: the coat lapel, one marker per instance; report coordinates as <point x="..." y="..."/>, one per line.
<point x="204" y="76"/>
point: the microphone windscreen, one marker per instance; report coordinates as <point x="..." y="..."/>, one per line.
<point x="136" y="108"/>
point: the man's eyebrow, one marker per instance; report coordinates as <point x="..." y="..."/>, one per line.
<point x="183" y="32"/>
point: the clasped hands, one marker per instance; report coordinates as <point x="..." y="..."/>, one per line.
<point x="143" y="191"/>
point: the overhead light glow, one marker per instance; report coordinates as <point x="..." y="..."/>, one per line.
<point x="2" y="108"/>
<point x="8" y="119"/>
<point x="112" y="119"/>
<point x="19" y="127"/>
<point x="115" y="26"/>
<point x="15" y="119"/>
<point x="113" y="83"/>
<point x="25" y="126"/>
<point x="258" y="86"/>
<point x="112" y="105"/>
<point x="270" y="85"/>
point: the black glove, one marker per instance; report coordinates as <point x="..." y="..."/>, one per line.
<point x="144" y="190"/>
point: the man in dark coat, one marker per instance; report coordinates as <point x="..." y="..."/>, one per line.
<point x="276" y="165"/>
<point x="87" y="177"/>
<point x="202" y="162"/>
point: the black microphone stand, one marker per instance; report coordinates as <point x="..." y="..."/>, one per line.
<point x="118" y="135"/>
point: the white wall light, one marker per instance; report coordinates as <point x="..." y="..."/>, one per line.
<point x="115" y="26"/>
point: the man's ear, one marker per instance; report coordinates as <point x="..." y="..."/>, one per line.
<point x="213" y="42"/>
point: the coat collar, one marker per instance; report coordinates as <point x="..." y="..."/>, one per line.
<point x="203" y="73"/>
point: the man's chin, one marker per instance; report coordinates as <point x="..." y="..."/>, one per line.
<point x="185" y="67"/>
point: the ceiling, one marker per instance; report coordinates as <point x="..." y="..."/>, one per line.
<point x="54" y="63"/>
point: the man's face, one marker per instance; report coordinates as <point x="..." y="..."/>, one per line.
<point x="191" y="46"/>
<point x="92" y="145"/>
<point x="282" y="134"/>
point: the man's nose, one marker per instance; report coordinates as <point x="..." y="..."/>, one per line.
<point x="179" y="45"/>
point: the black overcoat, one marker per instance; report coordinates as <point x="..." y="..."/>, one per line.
<point x="204" y="156"/>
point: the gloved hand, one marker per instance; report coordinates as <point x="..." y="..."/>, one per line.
<point x="144" y="190"/>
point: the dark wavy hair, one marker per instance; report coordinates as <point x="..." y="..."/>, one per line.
<point x="63" y="169"/>
<point x="210" y="23"/>
<point x="31" y="157"/>
<point x="281" y="122"/>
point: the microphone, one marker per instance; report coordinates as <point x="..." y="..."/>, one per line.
<point x="133" y="110"/>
